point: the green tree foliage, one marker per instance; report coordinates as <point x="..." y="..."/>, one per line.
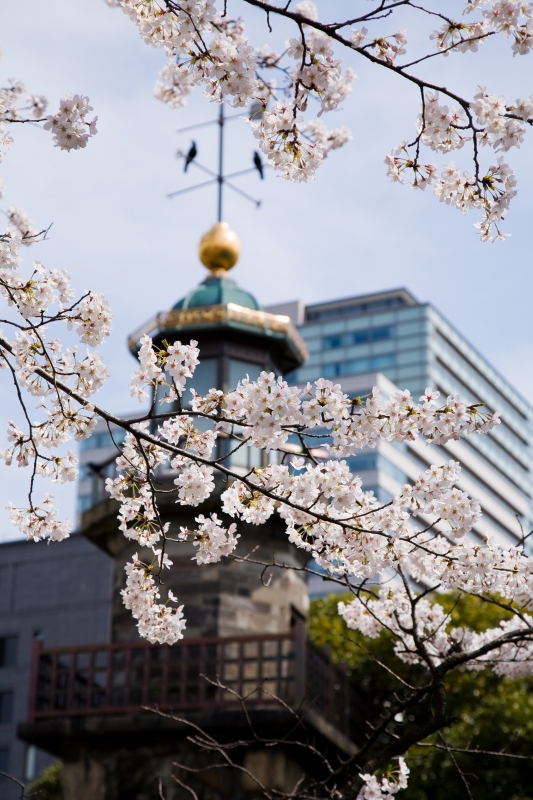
<point x="489" y="713"/>
<point x="48" y="785"/>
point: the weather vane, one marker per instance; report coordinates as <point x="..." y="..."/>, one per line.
<point x="218" y="177"/>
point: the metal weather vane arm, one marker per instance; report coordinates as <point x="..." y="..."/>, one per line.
<point x="191" y="188"/>
<point x="217" y="177"/>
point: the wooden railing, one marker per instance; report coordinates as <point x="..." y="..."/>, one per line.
<point x="194" y="674"/>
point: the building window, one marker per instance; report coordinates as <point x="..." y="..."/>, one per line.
<point x="359" y="337"/>
<point x="6" y="707"/>
<point x="333" y="341"/>
<point x="8" y="651"/>
<point x="378" y="334"/>
<point x="356" y="366"/>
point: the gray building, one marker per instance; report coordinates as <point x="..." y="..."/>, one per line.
<point x="59" y="593"/>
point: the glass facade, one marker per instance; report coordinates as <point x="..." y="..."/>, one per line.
<point x="392" y="342"/>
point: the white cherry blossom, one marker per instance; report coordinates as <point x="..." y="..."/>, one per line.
<point x="157" y="622"/>
<point x="70" y="129"/>
<point x="212" y="539"/>
<point x="384" y="789"/>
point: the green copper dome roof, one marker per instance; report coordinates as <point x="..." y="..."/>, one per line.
<point x="217" y="290"/>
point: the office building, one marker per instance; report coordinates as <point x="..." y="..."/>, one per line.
<point x="391" y="339"/>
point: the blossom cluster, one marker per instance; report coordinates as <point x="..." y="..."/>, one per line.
<point x="9" y="97"/>
<point x="327" y="139"/>
<point x="279" y="134"/>
<point x="266" y="411"/>
<point x="384" y="789"/>
<point x="160" y="624"/>
<point x="491" y="193"/>
<point x="500" y="131"/>
<point x="211" y="538"/>
<point x="59" y="469"/>
<point x="212" y="51"/>
<point x="92" y="319"/>
<point x="33" y="296"/>
<point x="178" y="360"/>
<point x="349" y="532"/>
<point x="513" y="658"/>
<point x="424" y="634"/>
<point x="513" y="18"/>
<point x="296" y="147"/>
<point x="175" y="84"/>
<point x="385" y="48"/>
<point x="40" y="522"/>
<point x="323" y="505"/>
<point x="224" y="65"/>
<point x="318" y="72"/>
<point x="270" y="410"/>
<point x="40" y="365"/>
<point x="70" y="129"/>
<point x="460" y="37"/>
<point x="420" y="532"/>
<point x="441" y="127"/>
<point x="23" y="224"/>
<point x="499" y="123"/>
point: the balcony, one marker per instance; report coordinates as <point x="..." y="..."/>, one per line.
<point x="196" y="674"/>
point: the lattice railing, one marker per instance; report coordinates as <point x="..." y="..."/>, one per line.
<point x="196" y="673"/>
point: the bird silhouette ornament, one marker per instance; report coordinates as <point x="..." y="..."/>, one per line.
<point x="191" y="155"/>
<point x="258" y="164"/>
<point x="219" y="177"/>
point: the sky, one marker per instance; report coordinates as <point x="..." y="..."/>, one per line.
<point x="350" y="231"/>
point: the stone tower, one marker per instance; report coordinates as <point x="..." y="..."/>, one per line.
<point x="236" y="338"/>
<point x="245" y="633"/>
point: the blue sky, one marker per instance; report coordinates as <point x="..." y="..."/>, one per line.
<point x="351" y="231"/>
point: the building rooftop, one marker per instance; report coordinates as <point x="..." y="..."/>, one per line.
<point x="360" y="304"/>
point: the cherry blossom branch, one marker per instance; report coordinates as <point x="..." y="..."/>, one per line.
<point x="296" y="147"/>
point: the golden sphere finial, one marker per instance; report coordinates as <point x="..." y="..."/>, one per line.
<point x="219" y="249"/>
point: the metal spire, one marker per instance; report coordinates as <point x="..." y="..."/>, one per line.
<point x="220" y="159"/>
<point x="218" y="177"/>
